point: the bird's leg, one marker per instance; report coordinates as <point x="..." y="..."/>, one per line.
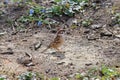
<point x="58" y="50"/>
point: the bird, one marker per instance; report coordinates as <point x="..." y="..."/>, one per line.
<point x="57" y="41"/>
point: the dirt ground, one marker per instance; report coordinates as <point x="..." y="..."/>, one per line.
<point x="81" y="51"/>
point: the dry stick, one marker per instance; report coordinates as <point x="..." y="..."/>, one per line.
<point x="27" y="54"/>
<point x="31" y="57"/>
<point x="30" y="26"/>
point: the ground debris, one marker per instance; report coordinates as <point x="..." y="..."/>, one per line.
<point x="36" y="45"/>
<point x="25" y="60"/>
<point x="8" y="51"/>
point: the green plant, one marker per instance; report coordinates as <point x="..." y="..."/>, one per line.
<point x="30" y="76"/>
<point x="93" y="72"/>
<point x="38" y="14"/>
<point x="87" y="22"/>
<point x="62" y="7"/>
<point x="103" y="73"/>
<point x="78" y="76"/>
<point x="1" y="12"/>
<point x="2" y="77"/>
<point x="108" y="72"/>
<point x="115" y="18"/>
<point x="55" y="78"/>
<point x="9" y="21"/>
<point x="35" y="14"/>
<point x="20" y="1"/>
<point x="68" y="7"/>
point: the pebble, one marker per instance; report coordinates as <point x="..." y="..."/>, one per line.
<point x="96" y="26"/>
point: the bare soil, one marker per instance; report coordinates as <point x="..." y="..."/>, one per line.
<point x="81" y="51"/>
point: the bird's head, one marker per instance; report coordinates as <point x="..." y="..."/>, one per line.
<point x="61" y="31"/>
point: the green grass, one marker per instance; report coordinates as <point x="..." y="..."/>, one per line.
<point x="102" y="73"/>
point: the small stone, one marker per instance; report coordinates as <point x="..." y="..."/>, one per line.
<point x="13" y="33"/>
<point x="30" y="68"/>
<point x="53" y="58"/>
<point x="87" y="31"/>
<point x="48" y="70"/>
<point x="37" y="45"/>
<point x="71" y="21"/>
<point x="30" y="64"/>
<point x="1" y="34"/>
<point x="105" y="32"/>
<point x="96" y="26"/>
<point x="118" y="36"/>
<point x="88" y="64"/>
<point x="60" y="63"/>
<point x="92" y="37"/>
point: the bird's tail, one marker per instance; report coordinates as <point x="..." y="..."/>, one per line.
<point x="45" y="50"/>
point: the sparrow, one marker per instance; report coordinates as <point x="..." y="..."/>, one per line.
<point x="57" y="42"/>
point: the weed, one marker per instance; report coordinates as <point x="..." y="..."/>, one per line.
<point x="68" y="7"/>
<point x="87" y="22"/>
<point x="38" y="14"/>
<point x="103" y="73"/>
<point x="30" y="76"/>
<point x="55" y="78"/>
<point x="115" y="18"/>
<point x="2" y="77"/>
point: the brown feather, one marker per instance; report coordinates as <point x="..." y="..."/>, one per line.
<point x="57" y="42"/>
